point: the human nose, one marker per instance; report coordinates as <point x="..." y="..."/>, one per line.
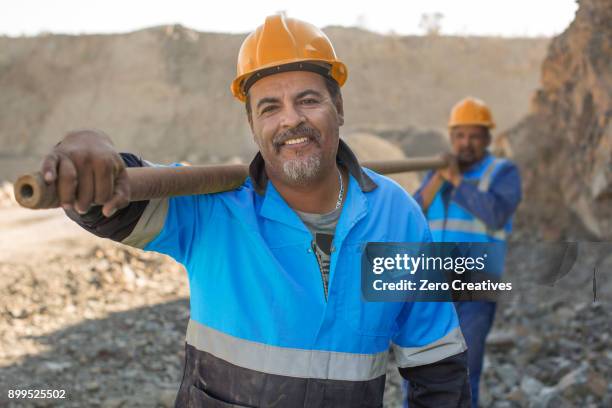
<point x="463" y="142"/>
<point x="291" y="117"/>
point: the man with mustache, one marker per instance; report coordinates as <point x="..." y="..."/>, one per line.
<point x="472" y="200"/>
<point x="277" y="318"/>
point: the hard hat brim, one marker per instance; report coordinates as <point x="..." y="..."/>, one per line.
<point x="489" y="125"/>
<point x="337" y="71"/>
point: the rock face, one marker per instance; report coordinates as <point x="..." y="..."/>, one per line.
<point x="163" y="92"/>
<point x="565" y="144"/>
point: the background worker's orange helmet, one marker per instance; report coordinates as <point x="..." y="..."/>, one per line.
<point x="471" y="111"/>
<point x="285" y="44"/>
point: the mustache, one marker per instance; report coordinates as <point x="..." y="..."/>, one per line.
<point x="300" y="130"/>
<point x="464" y="156"/>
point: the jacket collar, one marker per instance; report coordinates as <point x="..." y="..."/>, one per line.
<point x="259" y="178"/>
<point x="274" y="207"/>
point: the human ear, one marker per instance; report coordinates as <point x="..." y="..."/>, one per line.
<point x="339" y="104"/>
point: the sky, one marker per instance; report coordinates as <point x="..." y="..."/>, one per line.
<point x="458" y="17"/>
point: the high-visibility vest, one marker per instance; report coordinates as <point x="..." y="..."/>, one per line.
<point x="450" y="222"/>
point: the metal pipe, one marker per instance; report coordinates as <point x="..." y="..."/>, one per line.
<point x="147" y="183"/>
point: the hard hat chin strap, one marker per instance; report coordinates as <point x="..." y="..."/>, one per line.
<point x="317" y="67"/>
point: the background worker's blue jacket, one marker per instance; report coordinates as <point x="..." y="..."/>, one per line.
<point x="480" y="209"/>
<point x="261" y="331"/>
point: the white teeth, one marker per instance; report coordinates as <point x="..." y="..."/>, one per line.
<point x="296" y="141"/>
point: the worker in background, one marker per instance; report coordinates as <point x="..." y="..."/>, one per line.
<point x="472" y="200"/>
<point x="277" y="318"/>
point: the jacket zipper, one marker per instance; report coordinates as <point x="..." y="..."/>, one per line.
<point x="314" y="250"/>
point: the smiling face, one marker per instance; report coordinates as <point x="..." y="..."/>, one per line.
<point x="295" y="122"/>
<point x="469" y="143"/>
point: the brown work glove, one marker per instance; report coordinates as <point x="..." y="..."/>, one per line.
<point x="87" y="170"/>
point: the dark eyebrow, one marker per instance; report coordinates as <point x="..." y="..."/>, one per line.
<point x="302" y="94"/>
<point x="308" y="92"/>
<point x="263" y="101"/>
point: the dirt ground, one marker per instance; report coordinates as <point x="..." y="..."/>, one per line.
<point x="80" y="314"/>
<point x="106" y="324"/>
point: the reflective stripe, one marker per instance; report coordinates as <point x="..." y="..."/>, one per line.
<point x="485" y="180"/>
<point x="449" y="345"/>
<point x="329" y="365"/>
<point x="474" y="226"/>
<point x="149" y="225"/>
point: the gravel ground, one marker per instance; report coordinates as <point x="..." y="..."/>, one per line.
<point x="107" y="326"/>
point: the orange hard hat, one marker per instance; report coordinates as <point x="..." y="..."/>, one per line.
<point x="471" y="111"/>
<point x="285" y="44"/>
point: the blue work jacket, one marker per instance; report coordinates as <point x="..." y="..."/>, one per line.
<point x="261" y="331"/>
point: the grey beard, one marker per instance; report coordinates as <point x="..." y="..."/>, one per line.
<point x="301" y="171"/>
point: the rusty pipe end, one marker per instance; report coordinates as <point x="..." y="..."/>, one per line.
<point x="31" y="191"/>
